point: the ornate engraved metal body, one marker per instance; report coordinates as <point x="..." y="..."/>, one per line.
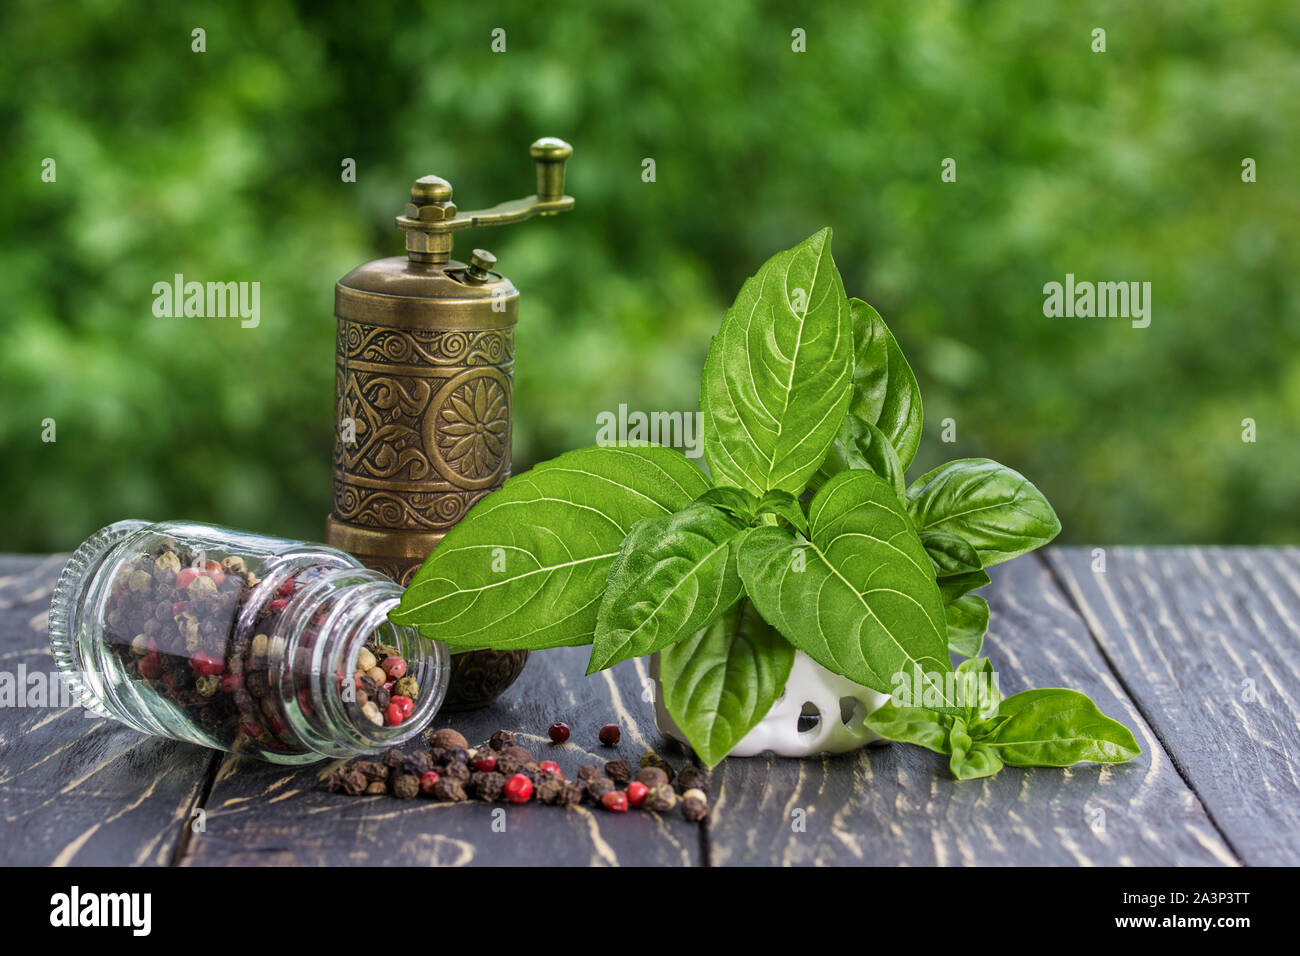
<point x="423" y="380"/>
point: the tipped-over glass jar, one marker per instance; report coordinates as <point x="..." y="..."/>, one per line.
<point x="261" y="646"/>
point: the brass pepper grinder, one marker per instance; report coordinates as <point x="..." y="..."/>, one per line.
<point x="424" y="364"/>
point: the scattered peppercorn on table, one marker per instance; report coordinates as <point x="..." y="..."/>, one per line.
<point x="1194" y="648"/>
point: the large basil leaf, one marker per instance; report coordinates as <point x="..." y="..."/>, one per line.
<point x="994" y="508"/>
<point x="674" y="575"/>
<point x="719" y="683"/>
<point x="777" y="379"/>
<point x="526" y="568"/>
<point x="864" y="446"/>
<point x="885" y="393"/>
<point x="860" y="597"/>
<point x="967" y="618"/>
<point x="1054" y="727"/>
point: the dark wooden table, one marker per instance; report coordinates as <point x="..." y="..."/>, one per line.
<point x="1195" y="649"/>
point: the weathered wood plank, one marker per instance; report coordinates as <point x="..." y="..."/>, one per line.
<point x="1206" y="640"/>
<point x="896" y="804"/>
<point x="75" y="789"/>
<point x="259" y="814"/>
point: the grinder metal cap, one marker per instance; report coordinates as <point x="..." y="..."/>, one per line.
<point x="426" y="287"/>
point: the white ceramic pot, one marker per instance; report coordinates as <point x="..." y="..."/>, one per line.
<point x="839" y="704"/>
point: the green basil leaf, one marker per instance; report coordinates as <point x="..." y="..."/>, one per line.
<point x="719" y="683"/>
<point x="777" y="379"/>
<point x="1054" y="727"/>
<point x="968" y="621"/>
<point x="674" y="575"/>
<point x="971" y="759"/>
<point x="954" y="586"/>
<point x="885" y="393"/>
<point x="862" y="445"/>
<point x="910" y="725"/>
<point x="994" y="508"/>
<point x="740" y="503"/>
<point x="859" y="598"/>
<point x="526" y="568"/>
<point x="951" y="553"/>
<point x="784" y="505"/>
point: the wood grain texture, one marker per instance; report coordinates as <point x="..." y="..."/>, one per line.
<point x="894" y="804"/>
<point x="1207" y="643"/>
<point x="75" y="789"/>
<point x="1164" y="640"/>
<point x="259" y="814"/>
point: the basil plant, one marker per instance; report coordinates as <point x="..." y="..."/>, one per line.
<point x="804" y="535"/>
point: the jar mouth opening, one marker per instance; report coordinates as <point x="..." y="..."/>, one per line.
<point x="429" y="671"/>
<point x="338" y="615"/>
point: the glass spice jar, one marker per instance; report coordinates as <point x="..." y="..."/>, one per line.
<point x="256" y="645"/>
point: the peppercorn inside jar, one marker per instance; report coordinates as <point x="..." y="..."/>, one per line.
<point x="261" y="646"/>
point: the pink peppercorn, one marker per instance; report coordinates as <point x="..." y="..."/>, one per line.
<point x="519" y="789"/>
<point x="394" y="667"/>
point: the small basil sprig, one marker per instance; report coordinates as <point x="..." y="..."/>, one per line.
<point x="805" y="537"/>
<point x="1052" y="727"/>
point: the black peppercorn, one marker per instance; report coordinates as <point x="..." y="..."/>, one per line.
<point x="508" y="765"/>
<point x="549" y="788"/>
<point x="501" y="740"/>
<point x="652" y="777"/>
<point x="354" y="783"/>
<point x="573" y="793"/>
<point x="619" y="772"/>
<point x="690" y="778"/>
<point x="370" y="769"/>
<point x="489" y="786"/>
<point x="521" y="754"/>
<point x="448" y="789"/>
<point x="418" y="763"/>
<point x="654" y="760"/>
<point x="393" y="757"/>
<point x="406" y="786"/>
<point x="589" y="772"/>
<point x="598" y="788"/>
<point x="455" y="770"/>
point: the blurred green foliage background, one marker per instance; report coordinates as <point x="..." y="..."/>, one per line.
<point x="225" y="165"/>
